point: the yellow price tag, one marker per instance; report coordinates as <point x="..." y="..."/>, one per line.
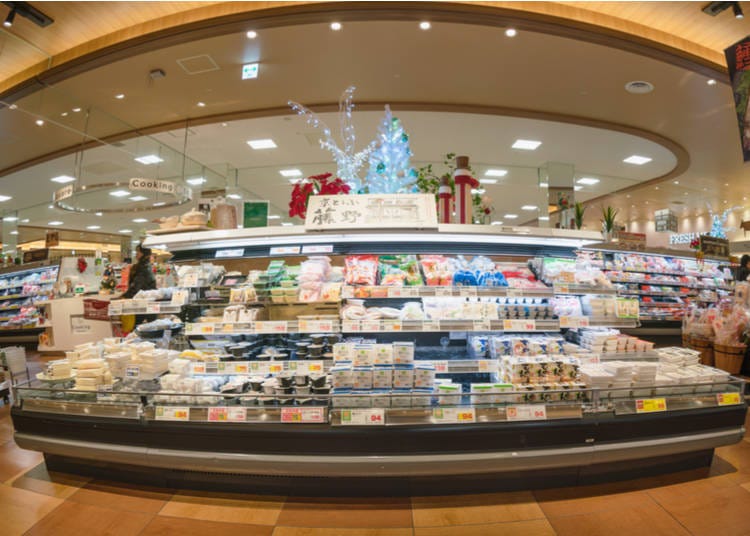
<point x="650" y="405"/>
<point x="728" y="399"/>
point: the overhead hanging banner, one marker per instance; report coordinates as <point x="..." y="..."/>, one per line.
<point x="370" y="211"/>
<point x="717" y="247"/>
<point x="738" y="62"/>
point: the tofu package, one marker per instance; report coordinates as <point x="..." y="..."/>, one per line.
<point x="403" y="353"/>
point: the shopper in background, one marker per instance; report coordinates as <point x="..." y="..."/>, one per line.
<point x="744" y="270"/>
<point x="141" y="276"/>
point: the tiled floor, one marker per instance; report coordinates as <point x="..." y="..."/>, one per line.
<point x="713" y="501"/>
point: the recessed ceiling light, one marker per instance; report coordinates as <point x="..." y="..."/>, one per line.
<point x="543" y="185"/>
<point x="50" y="206"/>
<point x="93" y="227"/>
<point x="10" y="218"/>
<point x="63" y="179"/>
<point x="656" y="187"/>
<point x="126" y="230"/>
<point x="639" y="87"/>
<point x="250" y="71"/>
<point x="577" y="188"/>
<point x="726" y="184"/>
<point x="543" y="218"/>
<point x="725" y="201"/>
<point x="99" y="214"/>
<point x="526" y="145"/>
<point x="497" y="223"/>
<point x="274" y="217"/>
<point x="335" y="26"/>
<point x="13" y="106"/>
<point x="511" y="32"/>
<point x="424" y="25"/>
<point x="159" y="204"/>
<point x="510" y="216"/>
<point x="251" y="34"/>
<point x="496" y="173"/>
<point x="76" y="110"/>
<point x="138" y="198"/>
<point x="290" y="173"/>
<point x="225" y="124"/>
<point x="234" y="196"/>
<point x="262" y="144"/>
<point x="588" y="180"/>
<point x="39" y="123"/>
<point x="676" y="182"/>
<point x="149" y="159"/>
<point x="201" y="104"/>
<point x="286" y="223"/>
<point x="25" y="220"/>
<point x="529" y="207"/>
<point x="55" y="222"/>
<point x="14" y="232"/>
<point x="478" y="191"/>
<point x="685" y="193"/>
<point x="140" y="220"/>
<point x="64" y="114"/>
<point x="119" y="193"/>
<point x="711" y="82"/>
<point x="4" y="198"/>
<point x="637" y="160"/>
<point x="120" y="96"/>
<point x="195" y="181"/>
<point x="487" y="181"/>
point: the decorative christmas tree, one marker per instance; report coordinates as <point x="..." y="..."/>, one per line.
<point x="389" y="171"/>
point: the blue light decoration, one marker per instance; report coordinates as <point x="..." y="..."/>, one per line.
<point x="389" y="171"/>
<point x="719" y="222"/>
<point x="348" y="162"/>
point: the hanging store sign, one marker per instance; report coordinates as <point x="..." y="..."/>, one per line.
<point x="717" y="247"/>
<point x="371" y="211"/>
<point x="631" y="241"/>
<point x="163" y="187"/>
<point x="738" y="62"/>
<point x="665" y="221"/>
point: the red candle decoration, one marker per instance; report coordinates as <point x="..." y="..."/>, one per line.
<point x="445" y="198"/>
<point x="464" y="184"/>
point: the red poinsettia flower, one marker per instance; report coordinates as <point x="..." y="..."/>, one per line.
<point x="314" y="185"/>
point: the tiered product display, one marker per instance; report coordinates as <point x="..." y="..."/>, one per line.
<point x="20" y="290"/>
<point x="392" y="353"/>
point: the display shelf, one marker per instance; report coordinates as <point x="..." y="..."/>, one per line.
<point x="672" y="273"/>
<point x="128" y="307"/>
<point x="625" y="292"/>
<point x="670" y="284"/>
<point x="378" y="292"/>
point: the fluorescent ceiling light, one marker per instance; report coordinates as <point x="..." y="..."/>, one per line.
<point x="55" y="222"/>
<point x="93" y="227"/>
<point x="577" y="188"/>
<point x="14" y="232"/>
<point x="138" y="198"/>
<point x="543" y="185"/>
<point x="99" y="214"/>
<point x="479" y="191"/>
<point x="149" y="159"/>
<point x="10" y="218"/>
<point x="5" y="198"/>
<point x="529" y="207"/>
<point x="526" y="145"/>
<point x="249" y="71"/>
<point x="424" y="25"/>
<point x="251" y="34"/>
<point x="286" y="224"/>
<point x="262" y="144"/>
<point x="588" y="181"/>
<point x="120" y="96"/>
<point x="497" y="223"/>
<point x="487" y="181"/>
<point x="274" y="217"/>
<point x="119" y="193"/>
<point x="196" y="181"/>
<point x="335" y="26"/>
<point x="511" y="216"/>
<point x="496" y="173"/>
<point x="290" y="173"/>
<point x="25" y="220"/>
<point x="511" y="32"/>
<point x="637" y="160"/>
<point x="63" y="179"/>
<point x="140" y="220"/>
<point x="126" y="230"/>
<point x="543" y="218"/>
<point x="160" y="203"/>
<point x="234" y="196"/>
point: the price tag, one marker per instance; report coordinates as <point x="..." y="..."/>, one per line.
<point x="574" y="321"/>
<point x="190" y="280"/>
<point x="227" y="328"/>
<point x="327" y="248"/>
<point x="227" y="414"/>
<point x="199" y="368"/>
<point x="395" y="292"/>
<point x="486" y="365"/>
<point x="481" y="325"/>
<point x="275" y="368"/>
<point x="351" y="325"/>
<point x="441" y="367"/>
<point x="241" y="367"/>
<point x="443" y="291"/>
<point x="315" y="366"/>
<point x="519" y="325"/>
<point x="526" y="412"/>
<point x="153" y="308"/>
<point x="467" y="291"/>
<point x="371" y="325"/>
<point x="728" y="399"/>
<point x="189" y="329"/>
<point x="206" y="329"/>
<point x="363" y="417"/>
<point x="171" y="413"/>
<point x="315" y="326"/>
<point x="513" y="292"/>
<point x="115" y="308"/>
<point x="431" y="325"/>
<point x="285" y="250"/>
<point x="273" y="326"/>
<point x="650" y="405"/>
<point x="392" y="325"/>
<point x="302" y="415"/>
<point x="454" y="415"/>
<point x="132" y="372"/>
<point x="104" y="392"/>
<point x="562" y="288"/>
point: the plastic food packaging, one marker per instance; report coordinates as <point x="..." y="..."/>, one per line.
<point x="361" y="270"/>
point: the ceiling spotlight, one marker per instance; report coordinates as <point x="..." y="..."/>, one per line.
<point x="737" y="9"/>
<point x="543" y="185"/>
<point x="511" y="32"/>
<point x="159" y="204"/>
<point x="335" y="26"/>
<point x="120" y="96"/>
<point x="424" y="25"/>
<point x="55" y="223"/>
<point x="496" y="173"/>
<point x="497" y="223"/>
<point x="511" y="216"/>
<point x="196" y="181"/>
<point x="588" y="181"/>
<point x="39" y="122"/>
<point x="98" y="214"/>
<point x="251" y="34"/>
<point x="274" y="217"/>
<point x="9" y="19"/>
<point x="290" y="173"/>
<point x="137" y="198"/>
<point x="63" y="179"/>
<point x="119" y="193"/>
<point x="234" y="196"/>
<point x="711" y="82"/>
<point x="529" y="207"/>
<point x="140" y="220"/>
<point x="487" y="181"/>
<point x="149" y="159"/>
<point x="126" y="230"/>
<point x="676" y="182"/>
<point x="543" y="218"/>
<point x="76" y="110"/>
<point x="93" y="227"/>
<point x="201" y="104"/>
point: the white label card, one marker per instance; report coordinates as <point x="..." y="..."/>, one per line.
<point x="132" y="372"/>
<point x="272" y="326"/>
<point x="285" y="250"/>
<point x="458" y="415"/>
<point x="468" y="291"/>
<point x="519" y="325"/>
<point x="115" y="308"/>
<point x="153" y="308"/>
<point x="172" y="413"/>
<point x="526" y="412"/>
<point x="363" y="417"/>
<point x="574" y="321"/>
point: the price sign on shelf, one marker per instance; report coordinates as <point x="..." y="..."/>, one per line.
<point x="275" y="368"/>
<point x="190" y="280"/>
<point x="351" y="325"/>
<point x="459" y="415"/>
<point x="519" y="325"/>
<point x="431" y="325"/>
<point x="487" y="365"/>
<point x="172" y="413"/>
<point x="443" y="291"/>
<point x="481" y="325"/>
<point x="526" y="412"/>
<point x="206" y="329"/>
<point x="271" y="326"/>
<point x="227" y="414"/>
<point x="152" y="308"/>
<point x="441" y="367"/>
<point x="650" y="405"/>
<point x="115" y="308"/>
<point x="574" y="321"/>
<point x="392" y="325"/>
<point x="241" y="368"/>
<point x="468" y="291"/>
<point x="562" y="288"/>
<point x="315" y="326"/>
<point x="728" y="399"/>
<point x="315" y="366"/>
<point x="363" y="417"/>
<point x="133" y="372"/>
<point x="371" y="325"/>
<point x="199" y="368"/>
<point x="302" y="415"/>
<point x="514" y="292"/>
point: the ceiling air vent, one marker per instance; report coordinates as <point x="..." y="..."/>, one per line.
<point x="639" y="86"/>
<point x="198" y="64"/>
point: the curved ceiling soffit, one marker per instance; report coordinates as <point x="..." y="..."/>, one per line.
<point x="681" y="155"/>
<point x="366" y="11"/>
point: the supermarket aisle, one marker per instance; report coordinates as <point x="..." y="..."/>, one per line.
<point x="701" y="502"/>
